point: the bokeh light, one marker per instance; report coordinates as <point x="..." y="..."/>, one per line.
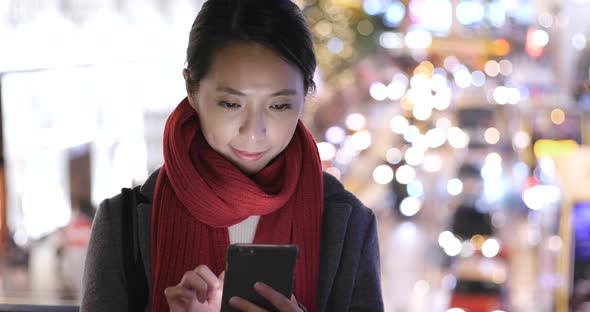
<point x="540" y="196"/>
<point x="579" y="41"/>
<point x="327" y="151"/>
<point x="391" y="40"/>
<point x="520" y="171"/>
<point x="394" y="14"/>
<point x="405" y="174"/>
<point x="324" y="28"/>
<point x="410" y="133"/>
<point x="521" y="140"/>
<point x="394" y="156"/>
<point x="454" y="187"/>
<point x="335" y="135"/>
<point x="378" y="91"/>
<point x="418" y="39"/>
<point x="415" y="189"/>
<point x="414" y="156"/>
<point x="453" y="247"/>
<point x="355" y="121"/>
<point x="372" y="7"/>
<point x="421" y="288"/>
<point x="492" y="135"/>
<point x="420" y="142"/>
<point x="438" y="81"/>
<point x="365" y="27"/>
<point x="436" y="137"/>
<point x="506" y="67"/>
<point x="492" y="68"/>
<point x="401" y="77"/>
<point x="490" y="248"/>
<point x="469" y="12"/>
<point x="361" y="140"/>
<point x="540" y="37"/>
<point x="494" y="158"/>
<point x="478" y="78"/>
<point x="442" y="99"/>
<point x="420" y="82"/>
<point x="463" y="77"/>
<point x="434" y="15"/>
<point x="503" y="95"/>
<point x="410" y="206"/>
<point x="443" y="123"/>
<point x="467" y="249"/>
<point x="451" y="62"/>
<point x="383" y="174"/>
<point x="501" y="47"/>
<point x="457" y="137"/>
<point x="554" y="243"/>
<point x="444" y="238"/>
<point x="547" y="166"/>
<point x="399" y="124"/>
<point x="396" y="89"/>
<point x="422" y="110"/>
<point x="432" y="163"/>
<point x="557" y="116"/>
<point x="546" y="20"/>
<point x="496" y="13"/>
<point x="335" y="45"/>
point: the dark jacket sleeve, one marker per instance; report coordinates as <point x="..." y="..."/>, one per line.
<point x="366" y="295"/>
<point x="104" y="279"/>
<point x="357" y="284"/>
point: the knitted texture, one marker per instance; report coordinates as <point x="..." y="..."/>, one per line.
<point x="199" y="194"/>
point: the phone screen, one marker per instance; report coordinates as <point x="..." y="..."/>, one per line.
<point x="247" y="264"/>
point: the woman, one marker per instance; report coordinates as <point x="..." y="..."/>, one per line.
<point x="239" y="167"/>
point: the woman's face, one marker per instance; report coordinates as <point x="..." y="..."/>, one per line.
<point x="248" y="104"/>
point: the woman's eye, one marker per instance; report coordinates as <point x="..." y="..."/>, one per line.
<point x="281" y="107"/>
<point x="229" y="105"/>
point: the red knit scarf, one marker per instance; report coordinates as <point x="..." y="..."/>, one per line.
<point x="199" y="194"/>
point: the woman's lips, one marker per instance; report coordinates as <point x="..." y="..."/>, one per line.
<point x="246" y="155"/>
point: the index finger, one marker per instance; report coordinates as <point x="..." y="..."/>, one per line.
<point x="207" y="275"/>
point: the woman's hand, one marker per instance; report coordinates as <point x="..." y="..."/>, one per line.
<point x="199" y="290"/>
<point x="277" y="299"/>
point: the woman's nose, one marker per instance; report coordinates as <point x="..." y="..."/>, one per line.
<point x="254" y="126"/>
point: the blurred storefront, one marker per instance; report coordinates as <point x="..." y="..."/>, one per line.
<point x="86" y="89"/>
<point x="451" y="119"/>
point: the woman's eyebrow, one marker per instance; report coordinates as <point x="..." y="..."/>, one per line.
<point x="230" y="91"/>
<point x="240" y="93"/>
<point x="285" y="92"/>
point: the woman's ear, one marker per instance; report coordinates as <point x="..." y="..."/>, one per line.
<point x="190" y="89"/>
<point x="187" y="81"/>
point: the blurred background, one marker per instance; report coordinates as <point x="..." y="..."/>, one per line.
<point x="464" y="124"/>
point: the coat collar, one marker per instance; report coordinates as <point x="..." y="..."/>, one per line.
<point x="335" y="223"/>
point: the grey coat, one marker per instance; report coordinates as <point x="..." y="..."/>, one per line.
<point x="349" y="253"/>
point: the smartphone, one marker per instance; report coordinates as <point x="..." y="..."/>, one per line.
<point x="247" y="264"/>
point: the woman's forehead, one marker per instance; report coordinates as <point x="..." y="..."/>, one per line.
<point x="252" y="66"/>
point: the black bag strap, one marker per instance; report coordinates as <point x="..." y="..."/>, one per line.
<point x="137" y="287"/>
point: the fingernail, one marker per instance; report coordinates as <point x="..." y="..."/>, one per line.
<point x="234" y="300"/>
<point x="259" y="285"/>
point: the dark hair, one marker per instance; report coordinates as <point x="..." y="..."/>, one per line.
<point x="275" y="24"/>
